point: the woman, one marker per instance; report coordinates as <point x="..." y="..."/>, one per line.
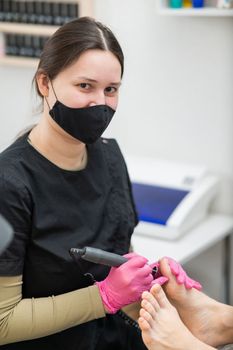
<point x="63" y="186"/>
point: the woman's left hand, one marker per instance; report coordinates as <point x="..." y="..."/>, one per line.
<point x="178" y="272"/>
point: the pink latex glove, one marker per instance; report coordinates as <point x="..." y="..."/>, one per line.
<point x="179" y="273"/>
<point x="125" y="284"/>
<point x="158" y="277"/>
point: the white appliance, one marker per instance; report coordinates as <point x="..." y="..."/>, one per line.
<point x="171" y="198"/>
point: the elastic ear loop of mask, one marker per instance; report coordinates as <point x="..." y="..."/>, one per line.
<point x="54" y="95"/>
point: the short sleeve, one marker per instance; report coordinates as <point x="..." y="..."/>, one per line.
<point x="15" y="207"/>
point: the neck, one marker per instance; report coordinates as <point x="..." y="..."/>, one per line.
<point x="58" y="147"/>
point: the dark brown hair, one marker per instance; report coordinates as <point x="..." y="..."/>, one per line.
<point x="72" y="39"/>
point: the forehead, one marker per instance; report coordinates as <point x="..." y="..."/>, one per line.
<point x="95" y="64"/>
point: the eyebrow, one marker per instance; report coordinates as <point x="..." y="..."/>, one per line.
<point x="95" y="81"/>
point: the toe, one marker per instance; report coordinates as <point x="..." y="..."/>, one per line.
<point x="151" y="308"/>
<point x="160" y="296"/>
<point x="170" y="270"/>
<point x="147" y="316"/>
<point x="147" y="297"/>
<point x="143" y="324"/>
<point x="165" y="268"/>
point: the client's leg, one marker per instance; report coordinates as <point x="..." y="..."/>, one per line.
<point x="207" y="319"/>
<point x="161" y="326"/>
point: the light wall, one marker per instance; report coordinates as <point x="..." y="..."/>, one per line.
<point x="176" y="100"/>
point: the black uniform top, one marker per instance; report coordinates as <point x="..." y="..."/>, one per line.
<point x="52" y="210"/>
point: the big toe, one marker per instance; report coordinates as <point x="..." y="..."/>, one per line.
<point x="165" y="269"/>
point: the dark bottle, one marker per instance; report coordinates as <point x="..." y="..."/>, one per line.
<point x="23" y="17"/>
<point x="43" y="40"/>
<point x="24" y="51"/>
<point x="15" y="11"/>
<point x="6" y="11"/>
<point x="11" y="45"/>
<point x="36" y="46"/>
<point x="28" y="46"/>
<point x="1" y="11"/>
<point x="73" y="11"/>
<point x="47" y="9"/>
<point x="20" y="44"/>
<point x="7" y="44"/>
<point x="56" y="13"/>
<point x="64" y="13"/>
<point x="40" y="18"/>
<point x="30" y="8"/>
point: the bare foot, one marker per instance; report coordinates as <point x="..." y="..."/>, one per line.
<point x="200" y="313"/>
<point x="161" y="326"/>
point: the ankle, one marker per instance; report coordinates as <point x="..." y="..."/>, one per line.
<point x="203" y="346"/>
<point x="194" y="344"/>
<point x="226" y="326"/>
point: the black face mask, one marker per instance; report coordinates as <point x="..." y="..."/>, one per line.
<point x="85" y="124"/>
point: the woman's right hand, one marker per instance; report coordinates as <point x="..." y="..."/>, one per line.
<point x="125" y="284"/>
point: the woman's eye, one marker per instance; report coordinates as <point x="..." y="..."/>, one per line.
<point x="84" y="86"/>
<point x="110" y="90"/>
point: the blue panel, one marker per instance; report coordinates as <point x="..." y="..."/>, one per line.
<point x="156" y="204"/>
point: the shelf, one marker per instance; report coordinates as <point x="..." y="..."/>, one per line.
<point x="85" y="8"/>
<point x="206" y="11"/>
<point x="19" y="61"/>
<point x="210" y="10"/>
<point x="32" y="29"/>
